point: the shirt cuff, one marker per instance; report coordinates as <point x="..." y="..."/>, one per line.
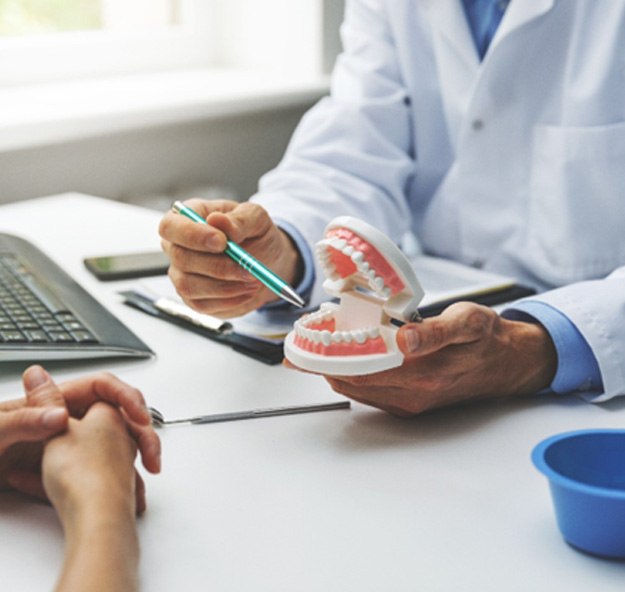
<point x="578" y="369"/>
<point x="304" y="288"/>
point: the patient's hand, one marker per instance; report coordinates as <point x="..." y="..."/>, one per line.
<point x="91" y="465"/>
<point x="88" y="475"/>
<point x="26" y="423"/>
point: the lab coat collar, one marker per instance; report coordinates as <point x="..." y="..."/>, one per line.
<point x="519" y="13"/>
<point x="448" y="19"/>
<point x="459" y="66"/>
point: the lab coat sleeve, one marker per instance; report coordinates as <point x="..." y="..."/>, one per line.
<point x="597" y="309"/>
<point x="351" y="153"/>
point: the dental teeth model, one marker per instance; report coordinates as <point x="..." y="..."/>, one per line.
<point x="374" y="283"/>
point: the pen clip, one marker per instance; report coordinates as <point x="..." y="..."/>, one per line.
<point x="182" y="311"/>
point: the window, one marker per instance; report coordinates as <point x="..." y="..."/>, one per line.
<point x="48" y="40"/>
<point x="53" y="40"/>
<point x="74" y="68"/>
<point x="36" y="17"/>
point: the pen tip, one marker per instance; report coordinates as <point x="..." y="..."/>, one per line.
<point x="294" y="298"/>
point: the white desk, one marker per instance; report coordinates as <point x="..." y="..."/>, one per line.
<point x="344" y="500"/>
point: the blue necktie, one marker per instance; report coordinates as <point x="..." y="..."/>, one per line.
<point x="484" y="17"/>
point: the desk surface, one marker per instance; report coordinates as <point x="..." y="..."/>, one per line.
<point x="345" y="500"/>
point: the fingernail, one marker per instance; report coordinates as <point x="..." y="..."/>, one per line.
<point x="411" y="338"/>
<point x="34" y="377"/>
<point x="53" y="418"/>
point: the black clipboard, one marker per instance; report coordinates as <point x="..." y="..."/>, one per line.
<point x="489" y="298"/>
<point x="264" y="350"/>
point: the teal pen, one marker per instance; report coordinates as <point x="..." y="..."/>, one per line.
<point x="275" y="283"/>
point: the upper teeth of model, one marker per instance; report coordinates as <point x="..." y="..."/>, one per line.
<point x="376" y="282"/>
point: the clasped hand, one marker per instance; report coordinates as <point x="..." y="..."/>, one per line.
<point x="47" y="410"/>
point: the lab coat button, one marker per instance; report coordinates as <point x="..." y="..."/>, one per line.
<point x="477" y="124"/>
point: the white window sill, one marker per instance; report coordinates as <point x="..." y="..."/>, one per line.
<point x="34" y="116"/>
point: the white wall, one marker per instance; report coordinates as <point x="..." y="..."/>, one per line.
<point x="230" y="152"/>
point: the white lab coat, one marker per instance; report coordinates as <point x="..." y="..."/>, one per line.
<point x="515" y="163"/>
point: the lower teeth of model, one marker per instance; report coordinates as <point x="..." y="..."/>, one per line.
<point x="326" y="337"/>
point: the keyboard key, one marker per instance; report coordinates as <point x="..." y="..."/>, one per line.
<point x="74" y="326"/>
<point x="51" y="325"/>
<point x="60" y="336"/>
<point x="12" y="337"/>
<point x="36" y="336"/>
<point x="84" y="337"/>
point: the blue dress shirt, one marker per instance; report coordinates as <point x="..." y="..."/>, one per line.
<point x="484" y="17"/>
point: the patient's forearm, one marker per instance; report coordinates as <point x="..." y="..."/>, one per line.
<point x="101" y="550"/>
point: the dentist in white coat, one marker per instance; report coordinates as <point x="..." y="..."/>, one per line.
<point x="494" y="132"/>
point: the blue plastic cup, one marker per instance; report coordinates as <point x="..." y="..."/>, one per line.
<point x="586" y="472"/>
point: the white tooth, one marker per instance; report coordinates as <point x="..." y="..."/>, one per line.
<point x="299" y="331"/>
<point x="338" y="243"/>
<point x="371" y="275"/>
<point x="378" y="282"/>
<point x="347" y="337"/>
<point x="363" y="267"/>
<point x="337" y="337"/>
<point x="386" y="292"/>
<point x="360" y="336"/>
<point x="326" y="337"/>
<point x="348" y="250"/>
<point x="374" y="332"/>
<point x="358" y="257"/>
<point x="315" y="336"/>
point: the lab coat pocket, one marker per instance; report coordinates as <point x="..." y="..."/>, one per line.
<point x="577" y="201"/>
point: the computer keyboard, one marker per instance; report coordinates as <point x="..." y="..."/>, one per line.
<point x="46" y="315"/>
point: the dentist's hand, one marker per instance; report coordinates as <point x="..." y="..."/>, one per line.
<point x="207" y="279"/>
<point x="466" y="353"/>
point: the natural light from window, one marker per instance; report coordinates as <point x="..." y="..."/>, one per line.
<point x="37" y="17"/>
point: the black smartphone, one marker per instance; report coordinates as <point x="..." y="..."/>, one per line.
<point x="127" y="265"/>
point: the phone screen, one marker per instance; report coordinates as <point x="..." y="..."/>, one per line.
<point x="128" y="265"/>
